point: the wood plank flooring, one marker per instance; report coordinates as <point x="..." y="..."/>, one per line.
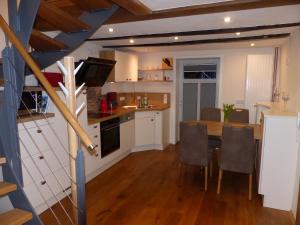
<point x="144" y="189"/>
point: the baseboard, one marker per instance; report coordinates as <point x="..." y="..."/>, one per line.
<point x="147" y="147"/>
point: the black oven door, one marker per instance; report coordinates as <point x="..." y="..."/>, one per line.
<point x="110" y="136"/>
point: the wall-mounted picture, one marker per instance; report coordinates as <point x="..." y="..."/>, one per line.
<point x="167" y="63"/>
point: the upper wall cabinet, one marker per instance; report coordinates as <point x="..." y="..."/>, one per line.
<point x="126" y="68"/>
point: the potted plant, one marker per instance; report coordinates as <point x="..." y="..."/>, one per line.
<point x="227" y="108"/>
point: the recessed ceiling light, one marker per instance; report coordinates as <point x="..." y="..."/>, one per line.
<point x="252" y="44"/>
<point x="110" y="30"/>
<point x="227" y="19"/>
<point x="131" y="41"/>
<point x="176" y="38"/>
<point x="238" y="33"/>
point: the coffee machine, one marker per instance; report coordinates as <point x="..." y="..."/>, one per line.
<point x="111" y="98"/>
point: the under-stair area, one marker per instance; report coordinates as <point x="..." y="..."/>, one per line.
<point x="14" y="216"/>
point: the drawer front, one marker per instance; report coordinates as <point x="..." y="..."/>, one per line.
<point x="145" y="114"/>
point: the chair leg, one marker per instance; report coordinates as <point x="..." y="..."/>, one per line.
<point x="211" y="169"/>
<point x="219" y="181"/>
<point x="250" y="186"/>
<point x="206" y="177"/>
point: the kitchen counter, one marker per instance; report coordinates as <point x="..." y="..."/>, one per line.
<point x="95" y="117"/>
<point x="34" y="116"/>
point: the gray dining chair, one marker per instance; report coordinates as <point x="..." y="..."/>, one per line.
<point x="212" y="114"/>
<point x="239" y="115"/>
<point x="194" y="148"/>
<point x="237" y="153"/>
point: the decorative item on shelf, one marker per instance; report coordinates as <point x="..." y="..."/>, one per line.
<point x="285" y="98"/>
<point x="167" y="63"/>
<point x="227" y="108"/>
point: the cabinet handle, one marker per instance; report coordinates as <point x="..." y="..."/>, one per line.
<point x="43" y="182"/>
<point x="95" y="126"/>
<point x="97" y="154"/>
<point x="95" y="136"/>
<point x="157" y="113"/>
<point x="41" y="157"/>
<point x="96" y="146"/>
<point x="39" y="131"/>
<point x="152" y="120"/>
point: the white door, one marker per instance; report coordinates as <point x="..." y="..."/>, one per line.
<point x="259" y="82"/>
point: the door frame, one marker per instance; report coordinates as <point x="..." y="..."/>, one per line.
<point x="181" y="81"/>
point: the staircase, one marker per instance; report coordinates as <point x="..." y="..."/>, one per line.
<point x="71" y="23"/>
<point x="14" y="216"/>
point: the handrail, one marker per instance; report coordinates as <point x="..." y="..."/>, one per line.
<point x="47" y="86"/>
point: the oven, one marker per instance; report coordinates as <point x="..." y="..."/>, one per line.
<point x="110" y="136"/>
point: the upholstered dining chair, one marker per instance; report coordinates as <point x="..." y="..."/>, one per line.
<point x="194" y="148"/>
<point x="239" y="116"/>
<point x="237" y="153"/>
<point x="212" y="114"/>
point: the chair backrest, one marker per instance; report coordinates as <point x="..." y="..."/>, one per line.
<point x="194" y="144"/>
<point x="238" y="149"/>
<point x="210" y="114"/>
<point x="239" y="116"/>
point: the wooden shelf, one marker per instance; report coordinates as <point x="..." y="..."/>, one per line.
<point x="155" y="81"/>
<point x="158" y="69"/>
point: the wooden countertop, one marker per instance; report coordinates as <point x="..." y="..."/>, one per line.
<point x="95" y="118"/>
<point x="33" y="117"/>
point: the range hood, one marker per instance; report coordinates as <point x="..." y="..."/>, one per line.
<point x="94" y="71"/>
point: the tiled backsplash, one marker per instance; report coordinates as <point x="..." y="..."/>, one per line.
<point x="128" y="98"/>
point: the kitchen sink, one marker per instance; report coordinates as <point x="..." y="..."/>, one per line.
<point x="137" y="107"/>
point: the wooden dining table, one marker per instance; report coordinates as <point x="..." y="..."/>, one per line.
<point x="215" y="128"/>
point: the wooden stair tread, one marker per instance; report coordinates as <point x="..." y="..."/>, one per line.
<point x="2" y="160"/>
<point x="60" y="19"/>
<point x="1" y="82"/>
<point x="41" y="42"/>
<point x="15" y="217"/>
<point x="6" y="187"/>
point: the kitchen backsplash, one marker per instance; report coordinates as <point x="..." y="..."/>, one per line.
<point x="126" y="98"/>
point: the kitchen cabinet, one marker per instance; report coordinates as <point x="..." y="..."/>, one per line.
<point x="126" y="68"/>
<point x="279" y="161"/>
<point x="127" y="135"/>
<point x="151" y="130"/>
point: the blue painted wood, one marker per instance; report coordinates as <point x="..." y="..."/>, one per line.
<point x="74" y="40"/>
<point x="80" y="179"/>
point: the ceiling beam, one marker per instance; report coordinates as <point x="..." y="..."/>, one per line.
<point x="199" y="32"/>
<point x="205" y="41"/>
<point x="123" y="16"/>
<point x="135" y="7"/>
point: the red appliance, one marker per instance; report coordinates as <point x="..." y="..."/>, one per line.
<point x="53" y="78"/>
<point x="103" y="105"/>
<point x="112" y="100"/>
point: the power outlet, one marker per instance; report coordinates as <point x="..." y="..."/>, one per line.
<point x="138" y="97"/>
<point x="165" y="99"/>
<point x="122" y="99"/>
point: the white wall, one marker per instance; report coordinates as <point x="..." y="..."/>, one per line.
<point x="232" y="74"/>
<point x="290" y="82"/>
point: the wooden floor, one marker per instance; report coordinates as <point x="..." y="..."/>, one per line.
<point x="143" y="190"/>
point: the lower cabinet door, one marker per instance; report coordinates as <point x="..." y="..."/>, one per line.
<point x="144" y="131"/>
<point x="127" y="135"/>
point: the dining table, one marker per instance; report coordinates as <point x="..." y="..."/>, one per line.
<point x="214" y="128"/>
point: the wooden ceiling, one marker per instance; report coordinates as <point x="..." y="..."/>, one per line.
<point x="134" y="10"/>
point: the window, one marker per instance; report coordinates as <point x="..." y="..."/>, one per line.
<point x="202" y="72"/>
